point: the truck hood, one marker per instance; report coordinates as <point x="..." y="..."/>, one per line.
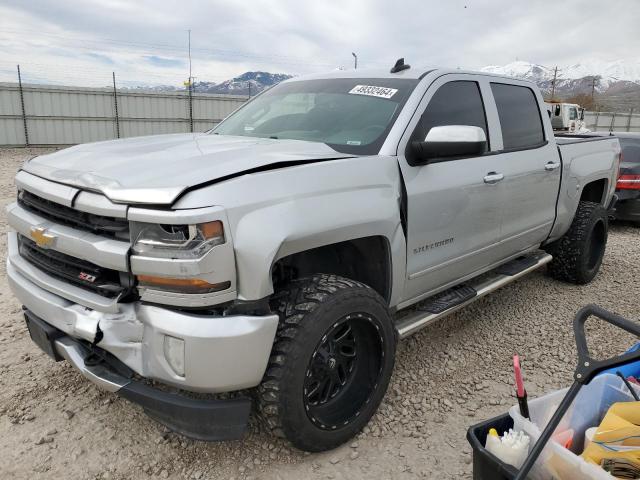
<point x="157" y="169"/>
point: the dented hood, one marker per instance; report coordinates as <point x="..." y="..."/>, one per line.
<point x="157" y="169"/>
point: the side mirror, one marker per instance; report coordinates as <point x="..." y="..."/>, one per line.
<point x="582" y="114"/>
<point x="443" y="143"/>
<point x="557" y="110"/>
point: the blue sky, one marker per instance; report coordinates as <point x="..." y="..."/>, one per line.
<point x="81" y="42"/>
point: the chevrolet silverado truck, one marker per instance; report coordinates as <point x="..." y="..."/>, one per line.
<point x="273" y="262"/>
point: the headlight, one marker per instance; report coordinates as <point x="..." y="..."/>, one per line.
<point x="176" y="241"/>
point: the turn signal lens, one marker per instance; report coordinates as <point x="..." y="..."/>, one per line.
<point x="181" y="285"/>
<point x="212" y="230"/>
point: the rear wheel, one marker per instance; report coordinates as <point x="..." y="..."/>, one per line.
<point x="331" y="361"/>
<point x="577" y="256"/>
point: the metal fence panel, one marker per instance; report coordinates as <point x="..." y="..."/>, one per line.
<point x="11" y="131"/>
<point x="68" y="131"/>
<point x="69" y="115"/>
<point x="153" y="106"/>
<point x="613" y="121"/>
<point x="204" y="109"/>
<point x="139" y="127"/>
<point x="10" y="101"/>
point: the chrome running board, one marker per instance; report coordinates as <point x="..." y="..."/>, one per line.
<point x="410" y="323"/>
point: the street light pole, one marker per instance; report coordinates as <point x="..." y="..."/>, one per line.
<point x="355" y="61"/>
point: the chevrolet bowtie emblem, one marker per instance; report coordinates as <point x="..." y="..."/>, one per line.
<point x="41" y="237"/>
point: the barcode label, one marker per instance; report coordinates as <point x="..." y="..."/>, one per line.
<point x="373" y="91"/>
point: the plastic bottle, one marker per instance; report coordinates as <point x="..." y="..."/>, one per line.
<point x="512" y="448"/>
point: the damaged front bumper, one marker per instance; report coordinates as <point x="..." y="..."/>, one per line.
<point x="191" y="351"/>
<point x="202" y="419"/>
<point x="113" y="344"/>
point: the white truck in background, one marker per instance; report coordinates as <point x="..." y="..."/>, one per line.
<point x="567" y="117"/>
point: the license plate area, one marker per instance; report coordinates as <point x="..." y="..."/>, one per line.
<point x="43" y="335"/>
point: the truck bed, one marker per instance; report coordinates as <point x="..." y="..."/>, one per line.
<point x="571" y="138"/>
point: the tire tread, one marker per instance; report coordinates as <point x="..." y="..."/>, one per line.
<point x="567" y="250"/>
<point x="293" y="303"/>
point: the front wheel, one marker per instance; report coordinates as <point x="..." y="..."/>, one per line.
<point x="331" y="361"/>
<point x="577" y="256"/>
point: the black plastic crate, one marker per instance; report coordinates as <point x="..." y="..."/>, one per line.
<point x="487" y="466"/>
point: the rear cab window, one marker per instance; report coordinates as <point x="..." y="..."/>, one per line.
<point x="519" y="116"/>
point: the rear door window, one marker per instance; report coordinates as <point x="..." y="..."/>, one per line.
<point x="519" y="116"/>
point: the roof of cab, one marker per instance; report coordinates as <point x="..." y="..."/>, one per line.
<point x="415" y="73"/>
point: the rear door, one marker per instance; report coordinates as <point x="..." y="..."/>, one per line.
<point x="453" y="212"/>
<point x="531" y="166"/>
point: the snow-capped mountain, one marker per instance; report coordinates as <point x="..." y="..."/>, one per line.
<point x="245" y="84"/>
<point x="520" y="69"/>
<point x="249" y="83"/>
<point x="620" y="70"/>
<point x="617" y="84"/>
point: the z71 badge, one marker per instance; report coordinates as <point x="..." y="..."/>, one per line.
<point x="87" y="277"/>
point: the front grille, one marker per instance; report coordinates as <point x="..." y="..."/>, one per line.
<point x="81" y="273"/>
<point x="99" y="224"/>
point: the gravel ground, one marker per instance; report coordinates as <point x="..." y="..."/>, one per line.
<point x="54" y="424"/>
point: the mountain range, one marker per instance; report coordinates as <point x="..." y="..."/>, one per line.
<point x="607" y="86"/>
<point x="596" y="85"/>
<point x="249" y="83"/>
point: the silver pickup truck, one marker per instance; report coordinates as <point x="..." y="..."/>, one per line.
<point x="280" y="256"/>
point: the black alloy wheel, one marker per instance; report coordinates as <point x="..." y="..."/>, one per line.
<point x="343" y="372"/>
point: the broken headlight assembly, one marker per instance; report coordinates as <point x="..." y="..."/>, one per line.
<point x="182" y="242"/>
<point x="177" y="242"/>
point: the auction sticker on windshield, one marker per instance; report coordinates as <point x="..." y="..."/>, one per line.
<point x="373" y="91"/>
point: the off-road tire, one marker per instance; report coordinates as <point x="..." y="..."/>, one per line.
<point x="577" y="255"/>
<point x="308" y="309"/>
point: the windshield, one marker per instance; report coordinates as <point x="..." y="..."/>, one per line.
<point x="351" y="115"/>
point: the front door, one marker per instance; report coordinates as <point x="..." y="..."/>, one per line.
<point x="454" y="207"/>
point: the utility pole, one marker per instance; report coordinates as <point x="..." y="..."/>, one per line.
<point x="115" y="105"/>
<point x="24" y="113"/>
<point x="593" y="90"/>
<point x="189" y="55"/>
<point x="355" y="61"/>
<point x="190" y="88"/>
<point x="553" y="84"/>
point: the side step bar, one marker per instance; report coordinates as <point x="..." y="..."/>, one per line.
<point x="482" y="285"/>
